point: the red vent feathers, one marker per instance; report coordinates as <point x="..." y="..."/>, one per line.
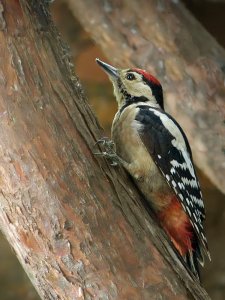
<point x="147" y="76"/>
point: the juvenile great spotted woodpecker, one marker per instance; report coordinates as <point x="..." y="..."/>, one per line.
<point x="153" y="148"/>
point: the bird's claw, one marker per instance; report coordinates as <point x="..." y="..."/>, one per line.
<point x="109" y="152"/>
<point x="106" y="142"/>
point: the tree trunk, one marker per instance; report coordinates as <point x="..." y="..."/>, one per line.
<point x="167" y="40"/>
<point x="77" y="225"/>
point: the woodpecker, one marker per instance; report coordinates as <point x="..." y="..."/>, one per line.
<point x="153" y="148"/>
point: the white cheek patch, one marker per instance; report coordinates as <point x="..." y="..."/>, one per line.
<point x="138" y="89"/>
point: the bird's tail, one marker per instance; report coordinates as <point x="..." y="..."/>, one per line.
<point x="192" y="262"/>
<point x="194" y="257"/>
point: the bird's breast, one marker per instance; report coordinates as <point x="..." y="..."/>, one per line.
<point x="130" y="148"/>
<point x="126" y="137"/>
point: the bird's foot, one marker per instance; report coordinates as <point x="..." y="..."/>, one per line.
<point x="108" y="151"/>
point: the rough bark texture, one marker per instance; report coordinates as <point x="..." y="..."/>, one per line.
<point x="77" y="226"/>
<point x="165" y="39"/>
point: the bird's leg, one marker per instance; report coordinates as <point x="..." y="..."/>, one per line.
<point x="109" y="151"/>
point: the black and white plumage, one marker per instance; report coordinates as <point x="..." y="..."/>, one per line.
<point x="153" y="148"/>
<point x="169" y="147"/>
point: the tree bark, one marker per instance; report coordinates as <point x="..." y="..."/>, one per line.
<point x="164" y="38"/>
<point x="77" y="225"/>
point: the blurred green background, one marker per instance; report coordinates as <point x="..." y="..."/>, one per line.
<point x="14" y="284"/>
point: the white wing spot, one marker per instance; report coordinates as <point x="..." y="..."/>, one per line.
<point x="167" y="177"/>
<point x="193" y="183"/>
<point x="195" y="218"/>
<point x="189" y="163"/>
<point x="172" y="171"/>
<point x="197" y="201"/>
<point x="159" y="156"/>
<point x="181" y="186"/>
<point x="174" y="183"/>
<point x="196" y="227"/>
<point x="181" y="196"/>
<point x="176" y="164"/>
<point x="202" y="234"/>
<point x="189" y="212"/>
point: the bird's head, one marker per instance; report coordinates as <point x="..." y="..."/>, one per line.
<point x="133" y="86"/>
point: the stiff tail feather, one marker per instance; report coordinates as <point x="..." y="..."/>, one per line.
<point x="192" y="263"/>
<point x="194" y="257"/>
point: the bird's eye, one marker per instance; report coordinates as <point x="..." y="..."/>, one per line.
<point x="130" y="76"/>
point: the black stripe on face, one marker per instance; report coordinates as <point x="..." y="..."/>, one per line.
<point x="131" y="100"/>
<point x="156" y="89"/>
<point x="157" y="92"/>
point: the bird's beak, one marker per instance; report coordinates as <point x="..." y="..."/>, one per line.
<point x="110" y="70"/>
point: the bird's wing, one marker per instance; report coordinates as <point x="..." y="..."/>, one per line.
<point x="169" y="148"/>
